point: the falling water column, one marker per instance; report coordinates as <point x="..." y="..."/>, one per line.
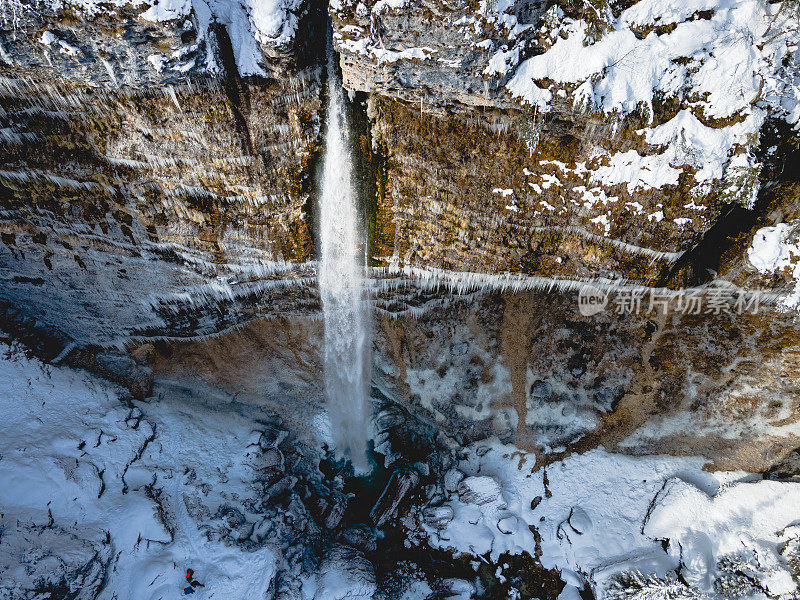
<point x="341" y="285"/>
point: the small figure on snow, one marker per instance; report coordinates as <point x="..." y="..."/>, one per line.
<point x="193" y="583"/>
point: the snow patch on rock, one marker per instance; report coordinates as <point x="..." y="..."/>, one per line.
<point x="777" y="249"/>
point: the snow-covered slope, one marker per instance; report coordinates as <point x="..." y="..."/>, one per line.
<point x="99" y="498"/>
<point x="604" y="520"/>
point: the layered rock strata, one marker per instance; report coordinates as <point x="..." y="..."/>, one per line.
<point x="148" y="187"/>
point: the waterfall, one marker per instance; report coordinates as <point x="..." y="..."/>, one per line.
<point x="341" y="285"/>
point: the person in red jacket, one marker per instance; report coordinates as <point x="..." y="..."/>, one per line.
<point x="193" y="583"/>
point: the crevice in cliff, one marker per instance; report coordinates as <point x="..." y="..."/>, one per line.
<point x="701" y="264"/>
<point x="370" y="175"/>
<point x="723" y="246"/>
<point x="235" y="89"/>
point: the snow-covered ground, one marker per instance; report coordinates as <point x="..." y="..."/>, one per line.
<point x="94" y="492"/>
<point x="108" y="498"/>
<point x="605" y="519"/>
<point x="776" y="249"/>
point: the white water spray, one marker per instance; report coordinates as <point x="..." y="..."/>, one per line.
<point x="341" y="286"/>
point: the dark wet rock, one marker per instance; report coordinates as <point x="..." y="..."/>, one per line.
<point x="231" y="516"/>
<point x="423" y="468"/>
<point x="403" y="481"/>
<point x="272" y="438"/>
<point x="438" y="516"/>
<point x="786" y="469"/>
<point x="296" y="514"/>
<point x="457" y="588"/>
<point x="116" y="367"/>
<point x="361" y="537"/>
<point x="283" y="485"/>
<point x="329" y="508"/>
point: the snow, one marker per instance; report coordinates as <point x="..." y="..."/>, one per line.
<point x="79" y="476"/>
<point x="48" y="37"/>
<point x="439" y="391"/>
<point x="157" y="61"/>
<point x="383" y="55"/>
<point x="745" y="518"/>
<point x="383" y="5"/>
<point x="593" y="196"/>
<point x="502" y="62"/>
<point x="726" y="61"/>
<point x="638" y="172"/>
<point x="772" y="249"/>
<point x="167" y="10"/>
<point x="249" y="23"/>
<point x="603" y="222"/>
<point x="688" y="141"/>
<point x="523" y="87"/>
<point x="549" y="180"/>
<point x="605" y="486"/>
<point x="598" y="514"/>
<point x="663" y="13"/>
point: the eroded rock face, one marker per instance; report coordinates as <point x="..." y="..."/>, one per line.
<point x="157" y="188"/>
<point x="148" y="187"/>
<point x="426" y="51"/>
<point x="526" y="137"/>
<point x="466" y="198"/>
<point x="529" y="368"/>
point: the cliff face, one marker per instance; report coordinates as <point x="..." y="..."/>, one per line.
<point x="628" y="143"/>
<point x="530" y="137"/>
<point x="584" y="239"/>
<point x="158" y="187"/>
<point x="155" y="178"/>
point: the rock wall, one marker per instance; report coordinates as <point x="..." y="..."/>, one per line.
<point x="148" y="188"/>
<point x="157" y="188"/>
<point x="529" y="368"/>
<point x="532" y="138"/>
